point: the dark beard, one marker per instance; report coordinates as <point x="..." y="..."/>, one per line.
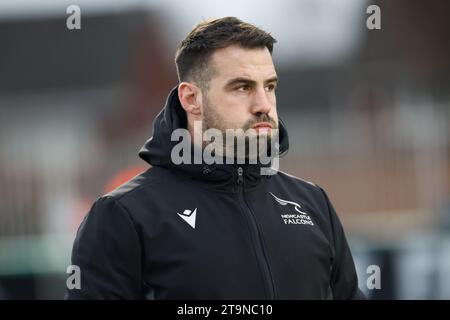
<point x="265" y="143"/>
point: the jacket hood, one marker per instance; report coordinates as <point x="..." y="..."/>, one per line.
<point x="157" y="150"/>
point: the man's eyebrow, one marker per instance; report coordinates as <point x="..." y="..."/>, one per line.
<point x="273" y="79"/>
<point x="241" y="80"/>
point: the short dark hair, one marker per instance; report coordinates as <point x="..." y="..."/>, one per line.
<point x="193" y="53"/>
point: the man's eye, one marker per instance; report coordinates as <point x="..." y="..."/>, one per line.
<point x="271" y="87"/>
<point x="243" y="88"/>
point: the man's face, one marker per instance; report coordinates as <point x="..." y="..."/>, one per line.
<point x="241" y="92"/>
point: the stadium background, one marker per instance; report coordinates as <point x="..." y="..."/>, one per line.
<point x="367" y="112"/>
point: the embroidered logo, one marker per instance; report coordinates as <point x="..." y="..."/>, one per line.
<point x="297" y="217"/>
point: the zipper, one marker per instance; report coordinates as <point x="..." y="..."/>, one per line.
<point x="260" y="250"/>
<point x="240" y="179"/>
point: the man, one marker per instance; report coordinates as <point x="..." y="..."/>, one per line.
<point x="195" y="230"/>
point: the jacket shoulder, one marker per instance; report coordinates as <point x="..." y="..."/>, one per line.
<point x="135" y="185"/>
<point x="296" y="180"/>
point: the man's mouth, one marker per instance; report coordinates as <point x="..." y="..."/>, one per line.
<point x="262" y="127"/>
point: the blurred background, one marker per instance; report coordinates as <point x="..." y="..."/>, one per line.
<point x="367" y="112"/>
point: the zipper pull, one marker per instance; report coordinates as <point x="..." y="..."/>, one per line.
<point x="240" y="173"/>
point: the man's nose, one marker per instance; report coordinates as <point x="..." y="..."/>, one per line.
<point x="260" y="102"/>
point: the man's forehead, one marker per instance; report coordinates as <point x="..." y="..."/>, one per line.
<point x="235" y="61"/>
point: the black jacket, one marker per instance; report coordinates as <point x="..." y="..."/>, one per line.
<point x="211" y="232"/>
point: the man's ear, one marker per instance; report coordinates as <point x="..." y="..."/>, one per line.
<point x="190" y="98"/>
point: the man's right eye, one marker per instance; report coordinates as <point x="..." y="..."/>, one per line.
<point x="243" y="88"/>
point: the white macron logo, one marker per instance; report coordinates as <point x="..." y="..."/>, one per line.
<point x="189" y="216"/>
<point x="300" y="217"/>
